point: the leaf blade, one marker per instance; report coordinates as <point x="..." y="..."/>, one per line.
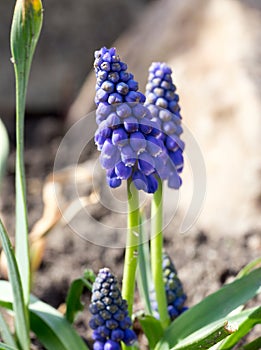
<point x="21" y="312"/>
<point x="223" y="302"/>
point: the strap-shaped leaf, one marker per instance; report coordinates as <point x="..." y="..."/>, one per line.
<point x="252" y="319"/>
<point x="213" y="308"/>
<point x="49" y="325"/>
<point x="21" y="315"/>
<point x="152" y="328"/>
<point x="5" y="332"/>
<point x="73" y="300"/>
<point x="7" y="347"/>
<point x="254" y="345"/>
<point x="4" y="149"/>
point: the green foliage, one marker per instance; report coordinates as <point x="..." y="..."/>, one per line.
<point x="73" y="300"/>
<point x="152" y="328"/>
<point x="4" y="149"/>
<point x="214" y="308"/>
<point x="50" y="326"/>
<point x="21" y="312"/>
<point x="25" y="31"/>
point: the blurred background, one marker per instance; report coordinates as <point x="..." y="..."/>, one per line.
<point x="213" y="47"/>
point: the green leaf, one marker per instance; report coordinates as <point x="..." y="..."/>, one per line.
<point x="49" y="325"/>
<point x="205" y="339"/>
<point x="25" y="31"/>
<point x="152" y="329"/>
<point x="52" y="329"/>
<point x="253" y="319"/>
<point x="7" y="347"/>
<point x="249" y="267"/>
<point x="213" y="333"/>
<point x="5" y="332"/>
<point x="144" y="276"/>
<point x="20" y="310"/>
<point x="254" y="345"/>
<point x="213" y="308"/>
<point x="4" y="149"/>
<point x="73" y="300"/>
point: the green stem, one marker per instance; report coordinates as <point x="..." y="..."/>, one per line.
<point x="156" y="254"/>
<point x="131" y="257"/>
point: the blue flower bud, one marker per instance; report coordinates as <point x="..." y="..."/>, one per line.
<point x="119" y="137"/>
<point x="115" y="327"/>
<point x="131" y="124"/>
<point x="122" y="88"/>
<point x="123" y="110"/>
<point x="138" y="142"/>
<point x="162" y="101"/>
<point x="146" y="163"/>
<point x="112" y="179"/>
<point x="115" y="98"/>
<point x="140" y="181"/>
<point x="122" y="171"/>
<point x="108" y="86"/>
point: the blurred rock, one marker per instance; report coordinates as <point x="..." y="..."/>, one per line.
<point x="71" y="31"/>
<point x="215" y="55"/>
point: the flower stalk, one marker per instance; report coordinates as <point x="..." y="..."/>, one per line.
<point x="156" y="254"/>
<point x="132" y="243"/>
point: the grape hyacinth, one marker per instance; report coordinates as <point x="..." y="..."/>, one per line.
<point x="174" y="290"/>
<point x="110" y="320"/>
<point x="162" y="101"/>
<point x="128" y="138"/>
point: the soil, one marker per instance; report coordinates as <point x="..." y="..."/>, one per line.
<point x="204" y="263"/>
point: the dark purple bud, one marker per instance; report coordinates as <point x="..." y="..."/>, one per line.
<point x="138" y="142"/>
<point x="122" y="171"/>
<point x="102" y="75"/>
<point x="128" y="156"/>
<point x="108" y="86"/>
<point x="154" y="146"/>
<point x="124" y="76"/>
<point x="112" y="324"/>
<point x="159" y="92"/>
<point x="112" y="345"/>
<point x="106" y="66"/>
<point x="113" y="77"/>
<point x="113" y="121"/>
<point x="101" y="95"/>
<point x="165" y="115"/>
<point x="174" y="180"/>
<point x="123" y="66"/>
<point x="140" y="181"/>
<point x="161" y="102"/>
<point x="133" y="85"/>
<point x="122" y="88"/>
<point x="169" y="127"/>
<point x="146" y="163"/>
<point x="129" y="337"/>
<point x="97" y="336"/>
<point x="177" y="157"/>
<point x="116" y="67"/>
<point x="132" y="96"/>
<point x="98" y="345"/>
<point x="172" y="312"/>
<point x="139" y="111"/>
<point x="145" y="126"/>
<point x="131" y="124"/>
<point x="126" y="323"/>
<point x="119" y="137"/>
<point x="123" y="110"/>
<point x="117" y="335"/>
<point x="152" y="184"/>
<point x="114" y="98"/>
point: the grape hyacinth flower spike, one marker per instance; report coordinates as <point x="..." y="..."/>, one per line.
<point x="162" y="101"/>
<point x="127" y="136"/>
<point x="110" y="320"/>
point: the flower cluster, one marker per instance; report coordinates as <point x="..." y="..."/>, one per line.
<point x="129" y="140"/>
<point x="110" y="320"/>
<point x="162" y="101"/>
<point x="174" y="291"/>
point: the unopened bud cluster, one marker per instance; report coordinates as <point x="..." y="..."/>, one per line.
<point x="162" y="101"/>
<point x="110" y="320"/>
<point x="174" y="290"/>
